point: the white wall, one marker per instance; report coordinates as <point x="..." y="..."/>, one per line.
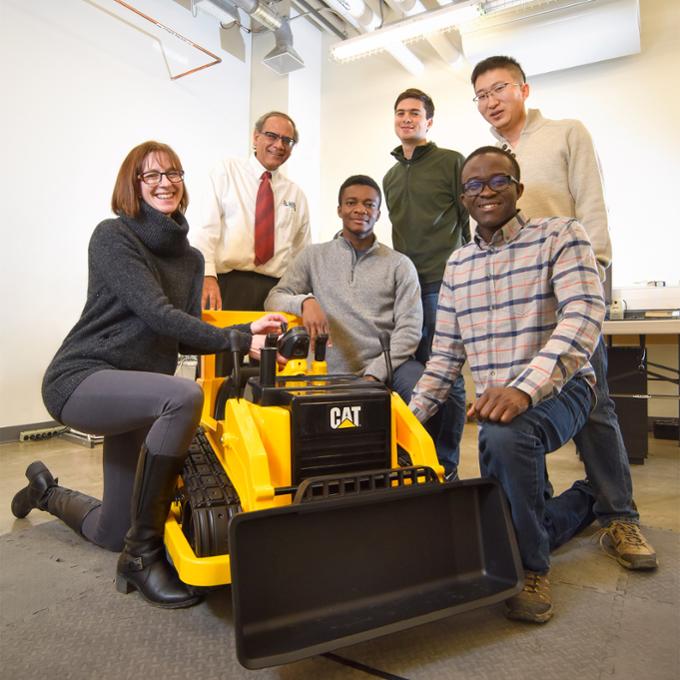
<point x="631" y="106"/>
<point x="304" y="105"/>
<point x="84" y="82"/>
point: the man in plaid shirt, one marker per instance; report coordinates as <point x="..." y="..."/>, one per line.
<point x="523" y="304"/>
<point x="562" y="176"/>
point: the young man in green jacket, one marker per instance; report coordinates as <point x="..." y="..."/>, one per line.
<point x="422" y="194"/>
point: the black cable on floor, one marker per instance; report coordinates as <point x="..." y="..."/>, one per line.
<point x="362" y="667"/>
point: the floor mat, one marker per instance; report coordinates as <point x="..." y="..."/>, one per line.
<point x="60" y="617"/>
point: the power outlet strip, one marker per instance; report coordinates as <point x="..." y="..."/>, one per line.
<point x="44" y="433"/>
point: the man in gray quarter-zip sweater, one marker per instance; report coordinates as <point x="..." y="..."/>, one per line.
<point x="354" y="287"/>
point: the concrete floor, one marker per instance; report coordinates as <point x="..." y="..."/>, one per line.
<point x="609" y="623"/>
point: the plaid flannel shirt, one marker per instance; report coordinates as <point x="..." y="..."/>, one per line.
<point x="525" y="310"/>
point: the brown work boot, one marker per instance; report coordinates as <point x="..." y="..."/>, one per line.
<point x="534" y="603"/>
<point x="625" y="543"/>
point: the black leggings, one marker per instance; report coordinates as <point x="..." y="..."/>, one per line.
<point x="130" y="408"/>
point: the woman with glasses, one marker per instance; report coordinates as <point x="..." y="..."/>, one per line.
<point x="113" y="374"/>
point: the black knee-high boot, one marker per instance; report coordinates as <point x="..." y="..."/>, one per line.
<point x="44" y="493"/>
<point x="142" y="565"/>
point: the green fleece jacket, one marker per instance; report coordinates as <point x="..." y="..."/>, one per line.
<point x="423" y="200"/>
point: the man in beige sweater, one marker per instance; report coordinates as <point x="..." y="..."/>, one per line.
<point x="561" y="176"/>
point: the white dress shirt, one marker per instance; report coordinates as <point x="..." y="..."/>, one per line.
<point x="225" y="229"/>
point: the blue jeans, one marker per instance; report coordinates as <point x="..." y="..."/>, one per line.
<point x="603" y="452"/>
<point x="452" y="420"/>
<point x="405" y="378"/>
<point x="514" y="454"/>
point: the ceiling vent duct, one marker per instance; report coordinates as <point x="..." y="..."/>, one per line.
<point x="283" y="58"/>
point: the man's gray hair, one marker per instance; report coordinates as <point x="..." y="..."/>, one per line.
<point x="259" y="123"/>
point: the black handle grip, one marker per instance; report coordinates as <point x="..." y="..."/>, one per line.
<point x="235" y="342"/>
<point x="320" y="347"/>
<point x="384" y="338"/>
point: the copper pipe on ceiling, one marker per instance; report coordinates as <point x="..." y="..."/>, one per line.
<point x="177" y="35"/>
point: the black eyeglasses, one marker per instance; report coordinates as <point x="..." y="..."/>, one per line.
<point x="153" y="178"/>
<point x="273" y="137"/>
<point x="496" y="183"/>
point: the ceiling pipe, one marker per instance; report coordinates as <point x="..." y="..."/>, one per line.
<point x="259" y="12"/>
<point x="223" y="11"/>
<point x="407" y="7"/>
<point x="357" y="12"/>
<point x="331" y="23"/>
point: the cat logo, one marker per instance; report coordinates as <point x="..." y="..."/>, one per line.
<point x="345" y="416"/>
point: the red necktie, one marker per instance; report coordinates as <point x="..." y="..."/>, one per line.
<point x="264" y="220"/>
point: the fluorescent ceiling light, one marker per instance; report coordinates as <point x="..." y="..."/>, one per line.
<point x="408" y="29"/>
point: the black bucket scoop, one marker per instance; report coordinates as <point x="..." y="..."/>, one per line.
<point x="309" y="578"/>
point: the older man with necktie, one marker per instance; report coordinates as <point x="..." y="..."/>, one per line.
<point x="253" y="221"/>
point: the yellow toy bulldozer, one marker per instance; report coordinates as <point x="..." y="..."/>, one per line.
<point x="320" y="499"/>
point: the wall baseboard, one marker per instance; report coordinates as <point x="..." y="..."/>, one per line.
<point x="11" y="433"/>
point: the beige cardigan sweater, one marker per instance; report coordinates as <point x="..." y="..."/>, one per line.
<point x="562" y="177"/>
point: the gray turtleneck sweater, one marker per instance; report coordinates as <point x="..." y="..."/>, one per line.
<point x="143" y="305"/>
